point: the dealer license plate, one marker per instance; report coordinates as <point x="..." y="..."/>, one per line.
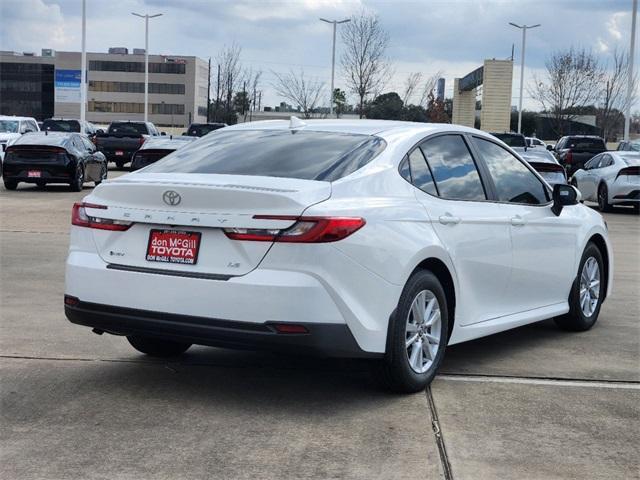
<point x="119" y="153"/>
<point x="173" y="246"/>
<point x="34" y="173"/>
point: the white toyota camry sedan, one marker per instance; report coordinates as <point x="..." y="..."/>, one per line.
<point x="376" y="239"/>
<point x="611" y="178"/>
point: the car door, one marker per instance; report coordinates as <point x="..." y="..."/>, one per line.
<point x="543" y="244"/>
<point x="85" y="157"/>
<point x="588" y="180"/>
<point x="474" y="231"/>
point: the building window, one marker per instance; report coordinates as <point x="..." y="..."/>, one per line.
<point x="132" y="107"/>
<point x="136" y="87"/>
<point x="26" y="89"/>
<point x="138" y="67"/>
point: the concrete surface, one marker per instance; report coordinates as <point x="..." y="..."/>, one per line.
<point x="531" y="403"/>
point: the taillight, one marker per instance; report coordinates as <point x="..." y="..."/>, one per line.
<point x="305" y="230"/>
<point x="141" y="141"/>
<point x="568" y="157"/>
<point x="629" y="171"/>
<point x="80" y="218"/>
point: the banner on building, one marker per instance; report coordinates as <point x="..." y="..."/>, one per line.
<point x="67" y="86"/>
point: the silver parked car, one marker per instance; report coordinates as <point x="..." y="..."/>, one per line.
<point x="546" y="165"/>
<point x="611" y="178"/>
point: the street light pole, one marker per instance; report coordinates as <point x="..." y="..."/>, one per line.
<point x="83" y="68"/>
<point x="333" y="58"/>
<point x="146" y="59"/>
<point x="524" y="41"/>
<point x="630" y="80"/>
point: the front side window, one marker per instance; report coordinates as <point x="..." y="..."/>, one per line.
<point x="454" y="171"/>
<point x="420" y="174"/>
<point x="514" y="182"/>
<point x="593" y="163"/>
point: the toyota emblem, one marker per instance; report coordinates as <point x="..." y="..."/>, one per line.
<point x="171" y="197"/>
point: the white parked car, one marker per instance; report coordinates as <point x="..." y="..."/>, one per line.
<point x="535" y="142"/>
<point x="377" y="239"/>
<point x="611" y="178"/>
<point x="13" y="127"/>
<point x="545" y="164"/>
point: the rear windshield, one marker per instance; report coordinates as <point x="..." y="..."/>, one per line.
<point x="303" y="154"/>
<point x="586" y="144"/>
<point x="511" y="140"/>
<point x="128" y="128"/>
<point x="201" y="130"/>
<point x="61" y="125"/>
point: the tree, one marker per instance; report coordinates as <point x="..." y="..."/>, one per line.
<point x="363" y="60"/>
<point x="428" y="87"/>
<point x="339" y="101"/>
<point x="299" y="90"/>
<point x="410" y="84"/>
<point x="227" y="80"/>
<point x="613" y="96"/>
<point x="387" y="106"/>
<point x="573" y="80"/>
<point x="436" y="110"/>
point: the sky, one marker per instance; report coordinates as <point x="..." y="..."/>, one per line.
<point x="428" y="36"/>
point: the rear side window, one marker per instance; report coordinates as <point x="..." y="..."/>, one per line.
<point x="514" y="182"/>
<point x="586" y="144"/>
<point x="420" y="174"/>
<point x="454" y="171"/>
<point x="301" y="154"/>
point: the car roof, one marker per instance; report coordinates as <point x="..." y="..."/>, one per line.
<point x="44" y="138"/>
<point x="11" y="117"/>
<point x="363" y="127"/>
<point x="534" y="155"/>
<point x="169" y="143"/>
<point x="629" y="157"/>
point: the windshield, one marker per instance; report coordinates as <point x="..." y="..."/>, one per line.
<point x="303" y="154"/>
<point x="9" y="126"/>
<point x="128" y="128"/>
<point x="513" y="140"/>
<point x="200" y="130"/>
<point x="61" y="125"/>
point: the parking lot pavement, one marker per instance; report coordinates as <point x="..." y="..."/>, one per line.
<point x="532" y="403"/>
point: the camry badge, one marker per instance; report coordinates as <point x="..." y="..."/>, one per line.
<point x="171" y="197"/>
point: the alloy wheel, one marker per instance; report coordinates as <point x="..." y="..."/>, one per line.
<point x="423" y="331"/>
<point x="589" y="286"/>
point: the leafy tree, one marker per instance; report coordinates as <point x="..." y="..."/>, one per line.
<point x="387" y="106"/>
<point x="339" y="101"/>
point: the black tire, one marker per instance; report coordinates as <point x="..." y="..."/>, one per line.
<point x="104" y="171"/>
<point x="636" y="208"/>
<point x="157" y="347"/>
<point x="10" y="184"/>
<point x="394" y="372"/>
<point x="120" y="165"/>
<point x="78" y="180"/>
<point x="576" y="320"/>
<point x="603" y="198"/>
<point x="41" y="184"/>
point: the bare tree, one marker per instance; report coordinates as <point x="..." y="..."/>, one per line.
<point x="410" y="85"/>
<point x="428" y="88"/>
<point x="573" y="80"/>
<point x="613" y="97"/>
<point x="228" y="79"/>
<point x="365" y="65"/>
<point x="299" y="90"/>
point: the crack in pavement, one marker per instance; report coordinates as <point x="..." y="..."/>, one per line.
<point x="437" y="432"/>
<point x="560" y="381"/>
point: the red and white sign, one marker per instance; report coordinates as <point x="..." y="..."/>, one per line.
<point x="173" y="246"/>
<point x="119" y="153"/>
<point x="34" y="173"/>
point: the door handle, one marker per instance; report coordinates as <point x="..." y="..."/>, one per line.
<point x="517" y="221"/>
<point x="449" y="219"/>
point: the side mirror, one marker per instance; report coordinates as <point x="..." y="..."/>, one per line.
<point x="100" y="131"/>
<point x="550" y="148"/>
<point x="564" y="196"/>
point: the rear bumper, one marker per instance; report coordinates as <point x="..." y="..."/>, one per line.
<point x="334" y="340"/>
<point x="623" y="192"/>
<point x="48" y="173"/>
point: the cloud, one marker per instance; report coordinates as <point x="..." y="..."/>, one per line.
<point x="454" y="36"/>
